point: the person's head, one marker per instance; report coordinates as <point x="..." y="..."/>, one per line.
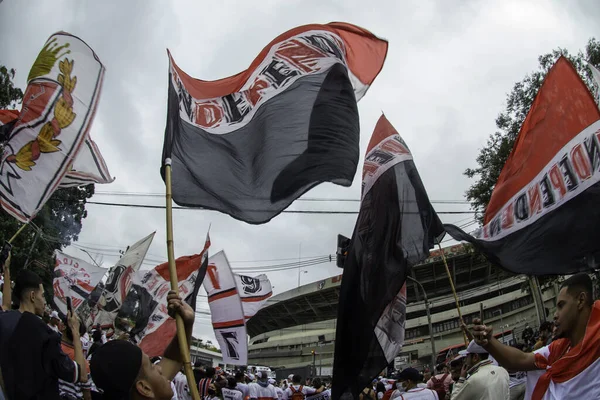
<point x="546" y="329"/>
<point x="69" y="333"/>
<point x="574" y="303"/>
<point x="262" y="376"/>
<point x="409" y="378"/>
<point x="475" y="354"/>
<point x="123" y="371"/>
<point x="210" y="372"/>
<point x="54" y="318"/>
<point x="239" y="376"/>
<point x="441" y="368"/>
<point x="30" y="292"/>
<point x="317" y="383"/>
<point x="380" y="387"/>
<point x="97" y="336"/>
<point x="296" y="379"/>
<point x="456" y="367"/>
<point x="231" y="382"/>
<point x="426" y="375"/>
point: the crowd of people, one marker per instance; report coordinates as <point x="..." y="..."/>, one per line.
<point x="45" y="357"/>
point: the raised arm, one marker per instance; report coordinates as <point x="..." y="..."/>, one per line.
<point x="508" y="357"/>
<point x="172" y="362"/>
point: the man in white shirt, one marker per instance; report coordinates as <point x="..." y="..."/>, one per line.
<point x="409" y="378"/>
<point x="230" y="392"/>
<point x="570" y="366"/>
<point x="277" y="388"/>
<point x="242" y="386"/>
<point x="297" y="386"/>
<point x="54" y="322"/>
<point x="262" y="389"/>
<point x="480" y="379"/>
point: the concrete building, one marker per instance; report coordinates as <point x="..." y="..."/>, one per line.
<point x="206" y="357"/>
<point x="297" y="328"/>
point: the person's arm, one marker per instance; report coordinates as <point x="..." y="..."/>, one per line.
<point x="508" y="357"/>
<point x="464" y="389"/>
<point x="73" y="321"/>
<point x="171" y="362"/>
<point x="7" y="292"/>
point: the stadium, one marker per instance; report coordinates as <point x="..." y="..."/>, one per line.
<point x="296" y="329"/>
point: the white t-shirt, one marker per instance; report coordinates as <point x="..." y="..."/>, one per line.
<point x="582" y="386"/>
<point x="262" y="393"/>
<point x="182" y="391"/>
<point x="419" y="394"/>
<point x="242" y="387"/>
<point x="279" y="392"/>
<point x="231" y="394"/>
<point x="307" y="390"/>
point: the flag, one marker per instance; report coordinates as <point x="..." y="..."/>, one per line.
<point x="250" y="144"/>
<point x="63" y="89"/>
<point x="254" y="292"/>
<point x="543" y="214"/>
<point x="145" y="308"/>
<point x="120" y="279"/>
<point x="226" y="310"/>
<point x="395" y="229"/>
<point x="73" y="278"/>
<point x="596" y="78"/>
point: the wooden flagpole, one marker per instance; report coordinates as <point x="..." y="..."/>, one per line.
<point x="183" y="344"/>
<point x="18" y="232"/>
<point x="453" y="291"/>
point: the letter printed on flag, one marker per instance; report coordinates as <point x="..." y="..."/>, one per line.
<point x="543" y="215"/>
<point x="395" y="229"/>
<point x="63" y="89"/>
<point x="226" y="310"/>
<point x="250" y="144"/>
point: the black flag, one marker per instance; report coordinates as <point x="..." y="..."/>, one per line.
<point x="395" y="229"/>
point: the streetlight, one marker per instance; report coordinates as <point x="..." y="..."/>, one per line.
<point x="433" y="353"/>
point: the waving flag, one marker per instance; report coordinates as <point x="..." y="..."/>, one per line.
<point x="120" y="279"/>
<point x="146" y="304"/>
<point x="226" y="310"/>
<point x="395" y="229"/>
<point x="543" y="215"/>
<point x="63" y="89"/>
<point x="74" y="278"/>
<point x="248" y="145"/>
<point x="254" y="292"/>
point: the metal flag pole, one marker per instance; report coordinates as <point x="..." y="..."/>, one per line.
<point x="453" y="290"/>
<point x="183" y="345"/>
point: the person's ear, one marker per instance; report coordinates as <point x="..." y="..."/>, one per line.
<point x="144" y="389"/>
<point x="581" y="300"/>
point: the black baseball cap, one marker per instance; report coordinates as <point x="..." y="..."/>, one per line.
<point x="114" y="367"/>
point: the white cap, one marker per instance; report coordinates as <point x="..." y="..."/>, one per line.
<point x="54" y="314"/>
<point x="272" y="381"/>
<point x="290" y="377"/>
<point x="474" y="348"/>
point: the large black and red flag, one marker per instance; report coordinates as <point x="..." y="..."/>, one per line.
<point x="543" y="216"/>
<point x="395" y="229"/>
<point x="248" y="145"/>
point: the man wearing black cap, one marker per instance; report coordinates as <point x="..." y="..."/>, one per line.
<point x="409" y="378"/>
<point x="123" y="371"/>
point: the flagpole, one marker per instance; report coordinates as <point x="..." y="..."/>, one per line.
<point x="453" y="290"/>
<point x="181" y="338"/>
<point x="17" y="233"/>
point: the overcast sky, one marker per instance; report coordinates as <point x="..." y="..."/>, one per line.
<point x="449" y="67"/>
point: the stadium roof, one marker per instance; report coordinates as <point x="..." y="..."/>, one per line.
<point x="318" y="301"/>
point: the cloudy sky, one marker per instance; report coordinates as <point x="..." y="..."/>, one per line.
<point x="449" y="67"/>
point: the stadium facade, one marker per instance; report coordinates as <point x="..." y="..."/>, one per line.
<point x="297" y="328"/>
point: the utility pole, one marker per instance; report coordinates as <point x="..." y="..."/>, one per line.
<point x="433" y="352"/>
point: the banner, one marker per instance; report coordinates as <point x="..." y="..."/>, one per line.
<point x="254" y="292"/>
<point x="73" y="278"/>
<point x="120" y="279"/>
<point x="63" y="89"/>
<point x="248" y="145"/>
<point x="542" y="217"/>
<point x="395" y="229"/>
<point x="226" y="310"/>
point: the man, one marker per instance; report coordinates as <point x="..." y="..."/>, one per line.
<point x="31" y="358"/>
<point x="409" y="378"/>
<point x="230" y="392"/>
<point x="54" y="323"/>
<point x="204" y="383"/>
<point x="296" y="387"/>
<point x="241" y="384"/>
<point x="455" y="369"/>
<point x="568" y="367"/>
<point x="278" y="390"/>
<point x="480" y="379"/>
<point x="426" y="376"/>
<point x="440" y="383"/>
<point x="262" y="390"/>
<point x="69" y="390"/>
<point x="123" y="371"/>
<point x="545" y="335"/>
<point x="527" y="335"/>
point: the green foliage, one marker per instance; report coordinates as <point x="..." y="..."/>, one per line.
<point x="10" y="96"/>
<point x="59" y="220"/>
<point x="492" y="157"/>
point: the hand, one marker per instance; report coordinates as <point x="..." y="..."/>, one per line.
<point x="177" y="306"/>
<point x="73" y="321"/>
<point x="463" y="371"/>
<point x="482" y="333"/>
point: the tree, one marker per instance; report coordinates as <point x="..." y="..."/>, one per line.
<point x="492" y="157"/>
<point x="59" y="221"/>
